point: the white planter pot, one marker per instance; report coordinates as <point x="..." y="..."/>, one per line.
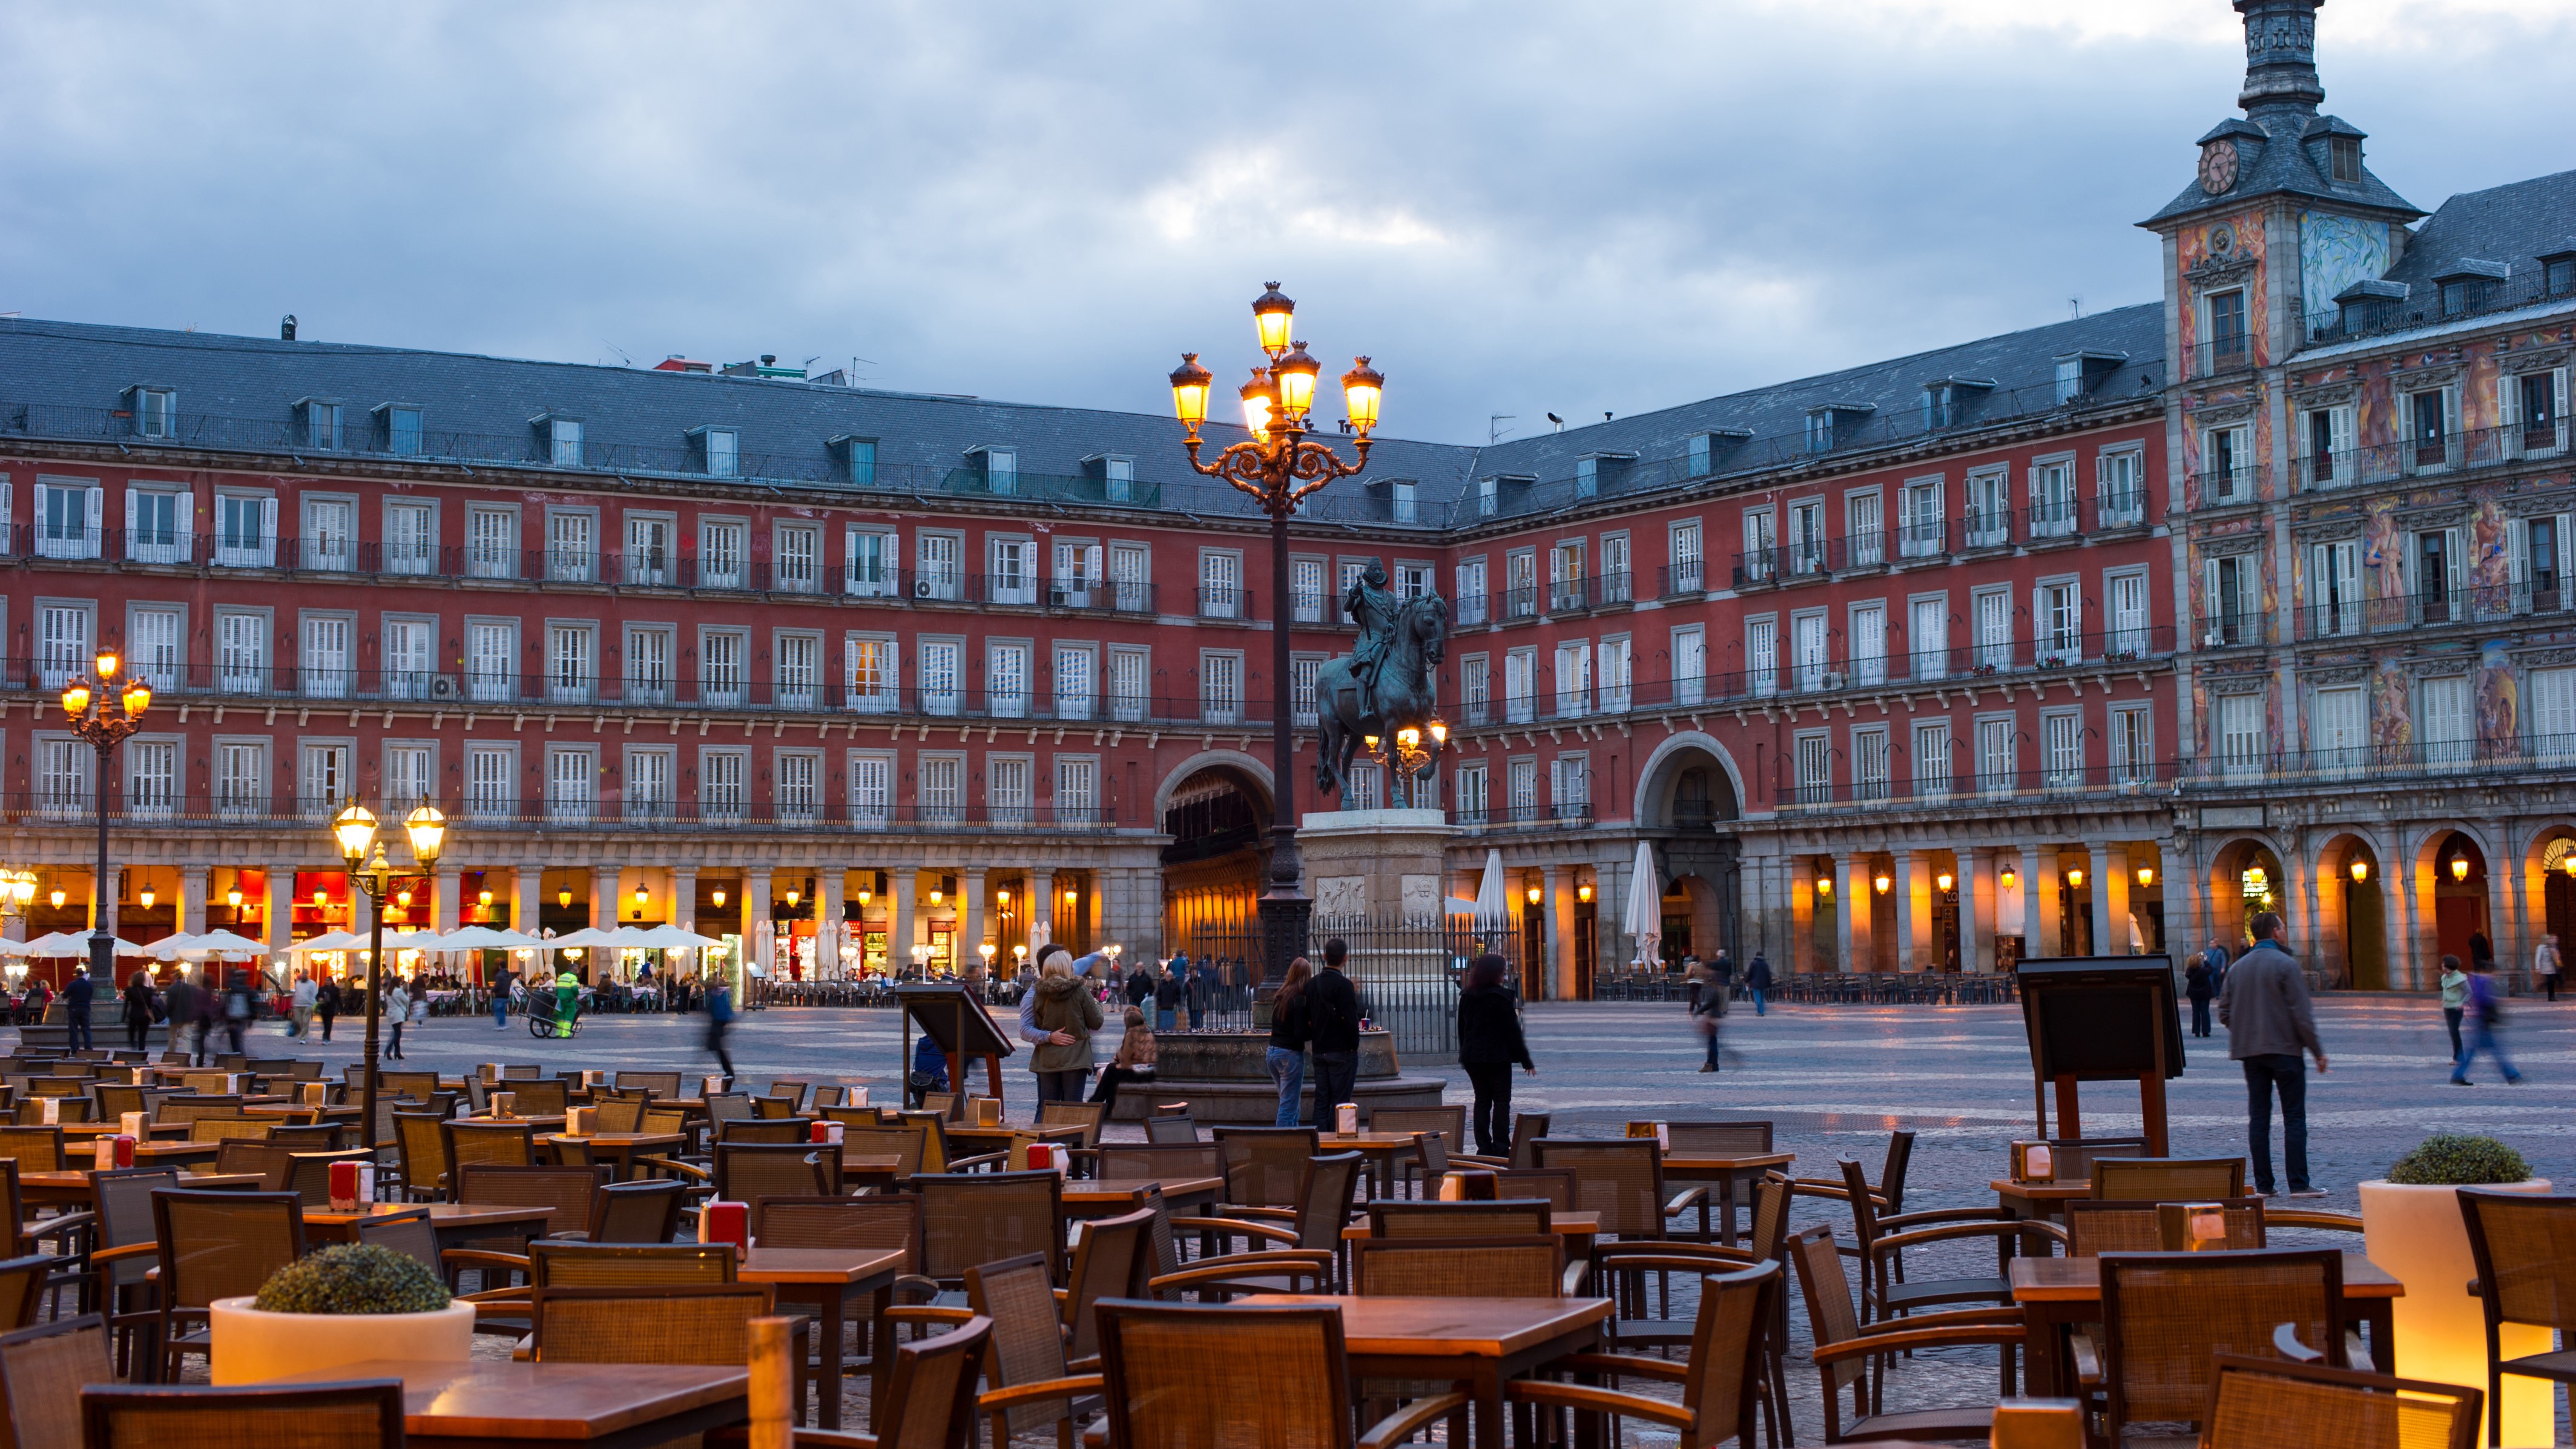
<point x="2417" y="1234"/>
<point x="253" y="1347"/>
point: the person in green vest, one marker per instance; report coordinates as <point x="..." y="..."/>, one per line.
<point x="567" y="1002"/>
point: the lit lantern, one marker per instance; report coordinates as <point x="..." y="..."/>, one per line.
<point x="146" y="898"/>
<point x="1363" y="388"/>
<point x="2007" y="876"/>
<point x="2460" y="867"/>
<point x="2360" y="869"/>
<point x="1882" y="882"/>
<point x="2075" y="879"/>
<point x="1583" y="893"/>
<point x="1944" y="880"/>
<point x="1825" y="886"/>
<point x="2146" y="875"/>
<point x="1533" y="896"/>
<point x="1190" y="391"/>
<point x="1273" y="315"/>
<point x="1295" y="376"/>
<point x="563" y="898"/>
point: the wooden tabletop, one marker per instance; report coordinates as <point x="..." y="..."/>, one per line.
<point x="1564" y="1225"/>
<point x="1699" y="1162"/>
<point x="441" y="1214"/>
<point x="1470" y="1327"/>
<point x="327" y="1111"/>
<point x="1002" y="1136"/>
<point x="1112" y="1189"/>
<point x="111" y="1129"/>
<point x="1367" y="1141"/>
<point x="509" y="1402"/>
<point x="816" y="1265"/>
<point x="74" y="1186"/>
<point x="2079" y="1280"/>
<point x="618" y="1139"/>
<point x="2042" y="1191"/>
<point x="538" y="1121"/>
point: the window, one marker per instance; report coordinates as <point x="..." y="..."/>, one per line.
<point x="407" y="774"/>
<point x="1488" y="499"/>
<point x="321" y="425"/>
<point x="1810" y="652"/>
<point x="1128" y="695"/>
<point x="1520" y="585"/>
<point x="722" y="793"/>
<point x="2240" y="736"/>
<point x="1074" y="684"/>
<point x="1869" y="763"/>
<point x="1470" y="788"/>
<point x="1520" y="685"/>
<point x="1762" y="657"/>
<point x="863" y="461"/>
<point x="1573" y="680"/>
<point x="1565" y="577"/>
<point x="648" y="784"/>
<point x="1922" y="533"/>
<point x="1815" y="768"/>
<point x="2439" y="564"/>
<point x="2329" y="445"/>
<point x="1221" y="688"/>
<point x="1807" y="537"/>
<point x="723" y="674"/>
<point x="563" y="442"/>
<point x="1869" y="644"/>
<point x="1006" y="790"/>
<point x="63" y="648"/>
<point x="1471" y="603"/>
<point x="1995" y="766"/>
<point x="799" y="673"/>
<point x="1476" y="688"/>
<point x="1118" y="479"/>
<point x="1399" y="501"/>
<point x="1697" y="458"/>
<point x="2334" y="589"/>
<point x="2553" y="714"/>
<point x="721" y="450"/>
<point x="1927" y="637"/>
<point x="2131" y="634"/>
<point x="1304" y="670"/>
<point x="408" y="649"/>
<point x="721" y="558"/>
<point x="156" y="526"/>
<point x="1615" y="697"/>
<point x="1993" y="609"/>
<point x="871" y="791"/>
<point x="648" y="550"/>
<point x="1412" y="581"/>
<point x="491" y="782"/>
<point x="2343" y="158"/>
<point x="941" y="792"/>
<point x="411" y="539"/>
<point x="1006" y="680"/>
<point x="1367" y="786"/>
<point x="1686" y="574"/>
<point x="1864" y="526"/>
<point x="874" y="559"/>
<point x="2232" y="591"/>
<point x="2558" y="275"/>
<point x="2337" y="725"/>
<point x="1587" y="477"/>
<point x="2534" y="406"/>
<point x="151" y="778"/>
<point x="871" y="663"/>
<point x="1758" y="545"/>
<point x="2227" y="346"/>
<point x="491" y="661"/>
<point x="1077" y="574"/>
<point x="1820" y="431"/>
<point x="2442" y="715"/>
<point x="798" y="791"/>
<point x="156" y="412"/>
<point x="2133" y="746"/>
<point x="2052" y="498"/>
<point x="2538" y="563"/>
<point x="330" y="527"/>
<point x="1524" y="789"/>
<point x="940" y="661"/>
<point x="327" y="647"/>
<point x="402" y="431"/>
<point x="1220" y="584"/>
<point x="1130" y="575"/>
<point x="1989" y="520"/>
<point x="1690" y="665"/>
<point x="62" y="779"/>
<point x="492" y="543"/>
<point x="799" y="567"/>
<point x="2429" y="421"/>
<point x="241" y="651"/>
<point x="572" y="545"/>
<point x="2119" y="481"/>
<point x="241" y="780"/>
<point x="2070" y="379"/>
<point x="1570" y="787"/>
<point x="1932" y="761"/>
<point x="68" y="518"/>
<point x="648" y="664"/>
<point x="1077" y="790"/>
<point x="2059" y="609"/>
<point x="572" y="784"/>
<point x="155" y="646"/>
<point x="1011" y="577"/>
<point x="245" y="530"/>
<point x="1002" y="470"/>
<point x="2062" y="751"/>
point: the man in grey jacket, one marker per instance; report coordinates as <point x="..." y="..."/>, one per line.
<point x="2264" y="1006"/>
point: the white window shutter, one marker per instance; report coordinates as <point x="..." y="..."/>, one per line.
<point x="2557" y="398"/>
<point x="2452" y="562"/>
<point x="8" y="534"/>
<point x="187" y="524"/>
<point x="2517" y="544"/>
<point x="96" y="510"/>
<point x="268" y="532"/>
<point x="133" y="507"/>
<point x="2508" y="388"/>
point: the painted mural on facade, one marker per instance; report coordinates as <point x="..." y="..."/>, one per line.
<point x="2392" y="709"/>
<point x="2490" y="555"/>
<point x="2499" y="702"/>
<point x="2335" y="252"/>
<point x="2383" y="557"/>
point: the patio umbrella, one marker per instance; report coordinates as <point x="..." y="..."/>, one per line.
<point x="586" y="936"/>
<point x="332" y="941"/>
<point x="226" y="943"/>
<point x="70" y="943"/>
<point x="1493" y="899"/>
<point x="1645" y="918"/>
<point x="481" y="938"/>
<point x="672" y="938"/>
<point x="14" y="948"/>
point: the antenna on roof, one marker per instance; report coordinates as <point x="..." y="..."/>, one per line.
<point x="2076" y="306"/>
<point x="1494" y="428"/>
<point x="622" y="359"/>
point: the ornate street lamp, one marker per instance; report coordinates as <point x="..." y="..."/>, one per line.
<point x="1277" y="469"/>
<point x="371" y="874"/>
<point x="86" y="708"/>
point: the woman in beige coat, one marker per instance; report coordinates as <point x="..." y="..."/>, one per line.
<point x="1067" y="1013"/>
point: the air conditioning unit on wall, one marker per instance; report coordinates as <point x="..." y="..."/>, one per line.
<point x="923" y="589"/>
<point x="444" y="687"/>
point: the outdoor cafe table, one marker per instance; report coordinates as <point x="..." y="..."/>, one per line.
<point x="71" y="1188"/>
<point x="113" y="1128"/>
<point x="148" y="1154"/>
<point x="827" y="1277"/>
<point x="870" y="1170"/>
<point x="2056" y="1294"/>
<point x="1107" y="1197"/>
<point x="1478" y="1341"/>
<point x="455" y="1223"/>
<point x="1577" y="1229"/>
<point x="976" y="1141"/>
<point x="2045" y="1200"/>
<point x="1380" y="1148"/>
<point x="496" y="1404"/>
<point x="537" y="1122"/>
<point x="1725" y="1173"/>
<point x="617" y="1148"/>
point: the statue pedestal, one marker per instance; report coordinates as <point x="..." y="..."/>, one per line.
<point x="1375" y="865"/>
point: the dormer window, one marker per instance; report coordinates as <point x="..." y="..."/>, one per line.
<point x="858" y="457"/>
<point x="156" y="412"/>
<point x="1488" y="497"/>
<point x="1591" y="467"/>
<point x="1948" y="401"/>
<point x="2470" y="285"/>
<point x="401" y="423"/>
<point x="1705" y="448"/>
<point x="1831" y="424"/>
<point x="2079" y="373"/>
<point x="1117" y="475"/>
<point x="321" y="423"/>
<point x="999" y="467"/>
<point x="719" y="451"/>
<point x="2558" y="269"/>
<point x="2343" y="155"/>
<point x="560" y="436"/>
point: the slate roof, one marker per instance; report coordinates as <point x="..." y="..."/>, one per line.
<point x="2281" y="163"/>
<point x="2514" y="224"/>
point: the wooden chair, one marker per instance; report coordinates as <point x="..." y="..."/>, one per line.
<point x="665" y="1085"/>
<point x="1621" y="1180"/>
<point x="904" y="1142"/>
<point x="421" y="1149"/>
<point x="42" y="1372"/>
<point x="773" y="1109"/>
<point x="2524" y="1246"/>
<point x="226" y="1129"/>
<point x="2168" y="1179"/>
<point x="635" y="1212"/>
<point x="1163" y="1161"/>
<point x="1880" y="1242"/>
<point x="216" y="1245"/>
<point x="2266" y="1403"/>
<point x="543" y="1098"/>
<point x="884" y="1222"/>
<point x="2164" y="1315"/>
<point x="794" y="1092"/>
<point x="1086" y="1115"/>
<point x="702" y="1323"/>
<point x="410" y="1084"/>
<point x="1845" y="1351"/>
<point x="1720" y="1381"/>
<point x="409" y="1233"/>
<point x="1175" y="1374"/>
<point x="1027" y="1345"/>
<point x="1890" y="1187"/>
<point x="1554" y="1185"/>
<point x="1115" y="1259"/>
<point x="983" y="1217"/>
<point x="1313" y="1227"/>
<point x="2094" y="1228"/>
<point x="937" y="1154"/>
<point x="2071" y="1159"/>
<point x="1265" y="1166"/>
<point x="488" y="1144"/>
<point x="558" y="1263"/>
<point x="1503" y="1266"/>
<point x="929" y="1405"/>
<point x="570" y="1191"/>
<point x="307" y="1136"/>
<point x="1444" y="1131"/>
<point x="1515" y="1217"/>
<point x="747" y="1172"/>
<point x="620" y="1114"/>
<point x="829" y="1094"/>
<point x="122" y="1199"/>
<point x="1624" y="1268"/>
<point x="34" y="1149"/>
<point x="1712" y="1139"/>
<point x="252" y="1155"/>
<point x="774" y="1131"/>
<point x="342" y="1416"/>
<point x="1171" y="1127"/>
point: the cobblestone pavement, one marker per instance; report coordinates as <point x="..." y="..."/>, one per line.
<point x="1834" y="1079"/>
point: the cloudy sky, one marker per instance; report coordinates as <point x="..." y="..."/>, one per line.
<point x="1516" y="207"/>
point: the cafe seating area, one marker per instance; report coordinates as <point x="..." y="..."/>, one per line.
<point x="642" y="1257"/>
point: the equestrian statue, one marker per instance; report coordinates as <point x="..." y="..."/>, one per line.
<point x="1386" y="684"/>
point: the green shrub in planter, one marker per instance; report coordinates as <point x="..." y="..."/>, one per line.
<point x="352" y="1278"/>
<point x="2453" y="1160"/>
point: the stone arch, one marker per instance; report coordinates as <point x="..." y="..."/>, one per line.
<point x="1216" y="807"/>
<point x="2230" y="912"/>
<point x="2352" y="932"/>
<point x="1247" y="773"/>
<point x="2548" y="889"/>
<point x="2454" y="907"/>
<point x="1663" y="770"/>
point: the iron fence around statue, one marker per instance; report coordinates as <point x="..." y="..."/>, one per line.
<point x="1406" y="975"/>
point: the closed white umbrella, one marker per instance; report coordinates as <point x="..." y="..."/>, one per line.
<point x="1645" y="919"/>
<point x="1493" y="898"/>
<point x="15" y="948"/>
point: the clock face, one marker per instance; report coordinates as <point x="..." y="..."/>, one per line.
<point x="2217" y="166"/>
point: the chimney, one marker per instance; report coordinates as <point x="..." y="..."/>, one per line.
<point x="286" y="328"/>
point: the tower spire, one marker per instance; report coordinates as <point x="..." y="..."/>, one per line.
<point x="2280" y="57"/>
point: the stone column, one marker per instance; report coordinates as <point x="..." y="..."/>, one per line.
<point x="193" y="885"/>
<point x="2039" y="934"/>
<point x="684" y="897"/>
<point x="970" y="914"/>
<point x="829" y="929"/>
<point x="2512" y="874"/>
<point x="280" y="909"/>
<point x="2408" y="895"/>
<point x="1799" y="953"/>
<point x="1976" y="910"/>
<point x="604" y="913"/>
<point x="1851" y="913"/>
<point x="1558" y="885"/>
<point x="755" y="917"/>
<point x="526" y="897"/>
<point x="1095" y="910"/>
<point x="903" y="883"/>
<point x="2110" y="899"/>
<point x="450" y="907"/>
<point x="1041" y="910"/>
<point x="1913" y="890"/>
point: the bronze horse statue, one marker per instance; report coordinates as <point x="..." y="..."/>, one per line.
<point x="1407" y="692"/>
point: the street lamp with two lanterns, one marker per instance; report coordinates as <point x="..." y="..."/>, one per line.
<point x="86" y="708"/>
<point x="371" y="874"/>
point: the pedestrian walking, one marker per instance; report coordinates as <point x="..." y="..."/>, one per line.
<point x="237" y="1010"/>
<point x="1140" y="987"/>
<point x="719" y="1017"/>
<point x="1167" y="996"/>
<point x="1134" y="1061"/>
<point x="568" y="1001"/>
<point x="328" y="1004"/>
<point x="1722" y="967"/>
<point x="501" y="990"/>
<point x="1333" y="1026"/>
<point x="1490" y="1044"/>
<point x="2485" y="1016"/>
<point x="2545" y="965"/>
<point x="137" y="1013"/>
<point x="207" y="1005"/>
<point x="2455" y="1002"/>
<point x="1194" y="990"/>
<point x="1707" y="1009"/>
<point x="179" y="1004"/>
<point x="397" y="1010"/>
<point x="1059" y="1018"/>
<point x="299" y="1013"/>
<point x="2264" y="1006"/>
<point x="1288" y="1037"/>
<point x="76" y="1000"/>
<point x="1757" y="982"/>
<point x="2197" y="985"/>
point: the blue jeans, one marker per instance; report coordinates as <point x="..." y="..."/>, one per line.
<point x="2482" y="1037"/>
<point x="1757" y="1002"/>
<point x="2288" y="1074"/>
<point x="501" y="1008"/>
<point x="1288" y="1071"/>
<point x="1166" y="1018"/>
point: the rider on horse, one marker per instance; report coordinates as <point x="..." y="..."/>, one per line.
<point x="1375" y="607"/>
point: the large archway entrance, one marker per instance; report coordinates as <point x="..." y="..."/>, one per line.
<point x="1212" y="869"/>
<point x="2245" y="880"/>
<point x="2460" y="896"/>
<point x="1687" y="794"/>
<point x="2353" y="910"/>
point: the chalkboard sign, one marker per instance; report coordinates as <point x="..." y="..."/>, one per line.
<point x="2101" y="1019"/>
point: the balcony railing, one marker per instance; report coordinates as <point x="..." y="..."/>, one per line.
<point x="1951" y="790"/>
<point x="2496" y="603"/>
<point x="1985" y="528"/>
<point x="1674" y="581"/>
<point x="2222" y="487"/>
<point x="2378" y="317"/>
<point x="2414" y="760"/>
<point x="1923" y="538"/>
<point x="608" y="810"/>
<point x="2213" y="357"/>
<point x="2233" y="630"/>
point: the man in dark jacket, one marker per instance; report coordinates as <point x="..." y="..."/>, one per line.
<point x="1167" y="996"/>
<point x="2264" y="1006"/>
<point x="76" y="997"/>
<point x="1140" y="988"/>
<point x="180" y="1006"/>
<point x="1333" y="1026"/>
<point x="1757" y="981"/>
